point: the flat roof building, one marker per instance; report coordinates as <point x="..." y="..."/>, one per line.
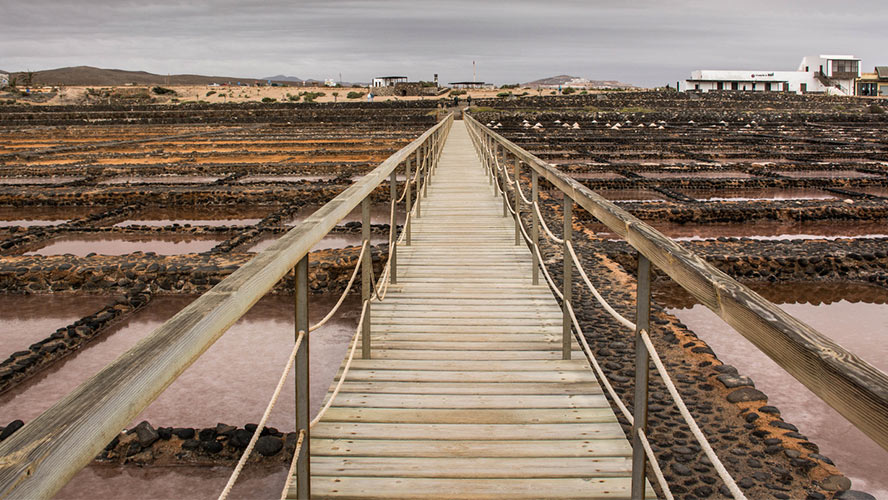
<point x="830" y="74"/>
<point x="873" y="84"/>
<point x="388" y="81"/>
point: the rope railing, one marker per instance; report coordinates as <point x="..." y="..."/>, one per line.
<point x="513" y="185"/>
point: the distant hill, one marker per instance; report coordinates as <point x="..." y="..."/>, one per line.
<point x="283" y="78"/>
<point x="88" y="75"/>
<point x="593" y="84"/>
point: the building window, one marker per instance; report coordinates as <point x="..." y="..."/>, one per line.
<point x="720" y="85"/>
<point x="735" y="85"/>
<point x="867" y="89"/>
<point x="844" y="67"/>
<point x="767" y="86"/>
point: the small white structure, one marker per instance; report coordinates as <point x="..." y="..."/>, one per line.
<point x="831" y="74"/>
<point x="4" y="79"/>
<point x="329" y="82"/>
<point x="388" y="81"/>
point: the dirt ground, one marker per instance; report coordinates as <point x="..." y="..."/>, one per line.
<point x="222" y="94"/>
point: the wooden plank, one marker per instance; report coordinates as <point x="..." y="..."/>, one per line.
<point x="504" y="448"/>
<point x="462" y="432"/>
<point x="470" y="416"/>
<point x="471" y="489"/>
<point x="472" y="388"/>
<point x="470" y="401"/>
<point x="473" y="366"/>
<point x="472" y="467"/>
<point x="553" y="376"/>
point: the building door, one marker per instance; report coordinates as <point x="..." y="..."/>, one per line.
<point x="735" y="85"/>
<point x="767" y="86"/>
<point x="803" y="87"/>
<point x="720" y="85"/>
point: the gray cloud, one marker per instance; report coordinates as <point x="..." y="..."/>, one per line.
<point x="644" y="42"/>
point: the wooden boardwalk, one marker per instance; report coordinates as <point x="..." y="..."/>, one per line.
<point x="466" y="394"/>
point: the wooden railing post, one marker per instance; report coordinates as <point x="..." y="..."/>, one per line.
<point x="409" y="205"/>
<point x="503" y="182"/>
<point x="567" y="285"/>
<point x="303" y="406"/>
<point x="535" y="228"/>
<point x="366" y="283"/>
<point x="642" y="323"/>
<point x="517" y="198"/>
<point x="420" y="180"/>
<point x="393" y="227"/>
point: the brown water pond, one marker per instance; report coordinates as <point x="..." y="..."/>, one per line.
<point x="122" y="244"/>
<point x="856" y="317"/>
<point x="231" y="382"/>
<point x="876" y="190"/>
<point x="806" y="174"/>
<point x="757" y="194"/>
<point x="762" y="230"/>
<point x="47" y="180"/>
<point x="26" y="319"/>
<point x="595" y="175"/>
<point x="166" y="179"/>
<point x="227" y="215"/>
<point x="40" y="216"/>
<point x="283" y="178"/>
<point x="698" y="174"/>
<point x="154" y="483"/>
<point x="628" y="195"/>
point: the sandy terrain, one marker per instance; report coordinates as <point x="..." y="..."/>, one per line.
<point x="222" y="94"/>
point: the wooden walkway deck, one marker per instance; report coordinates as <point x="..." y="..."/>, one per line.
<point x="466" y="395"/>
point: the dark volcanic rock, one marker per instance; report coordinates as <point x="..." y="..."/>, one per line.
<point x="269" y="445"/>
<point x="11" y="428"/>
<point x="146" y="434"/>
<point x="747" y="394"/>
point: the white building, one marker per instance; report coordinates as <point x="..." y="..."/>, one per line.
<point x="829" y="74"/>
<point x="388" y="81"/>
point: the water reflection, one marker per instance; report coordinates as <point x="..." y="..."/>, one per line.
<point x="26" y="319"/>
<point x="105" y="244"/>
<point x="761" y="230"/>
<point x="161" y="483"/>
<point x="231" y="382"/>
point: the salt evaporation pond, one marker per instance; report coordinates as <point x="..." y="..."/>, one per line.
<point x="39" y="216"/>
<point x="231" y="382"/>
<point x="860" y="326"/>
<point x="761" y="230"/>
<point x="234" y="215"/>
<point x="123" y="244"/>
<point x="26" y="319"/>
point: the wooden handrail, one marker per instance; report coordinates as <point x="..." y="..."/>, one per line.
<point x="849" y="384"/>
<point x="44" y="455"/>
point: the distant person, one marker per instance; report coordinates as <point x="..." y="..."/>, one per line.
<point x="370" y="97"/>
<point x="468" y="100"/>
<point x="455" y="100"/>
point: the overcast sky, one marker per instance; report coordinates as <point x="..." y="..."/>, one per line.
<point x="645" y="42"/>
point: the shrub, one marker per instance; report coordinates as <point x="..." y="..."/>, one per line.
<point x="269" y="99"/>
<point x="311" y="96"/>
<point x="504" y="94"/>
<point x="568" y="91"/>
<point x="291" y="97"/>
<point x="510" y="86"/>
<point x="162" y="90"/>
<point x="354" y="95"/>
<point x="457" y="92"/>
<point x="210" y="93"/>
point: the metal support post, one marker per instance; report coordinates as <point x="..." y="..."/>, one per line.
<point x="409" y="205"/>
<point x="517" y="199"/>
<point x="393" y="228"/>
<point x="303" y="406"/>
<point x="535" y="228"/>
<point x="365" y="277"/>
<point x="567" y="285"/>
<point x="642" y="322"/>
